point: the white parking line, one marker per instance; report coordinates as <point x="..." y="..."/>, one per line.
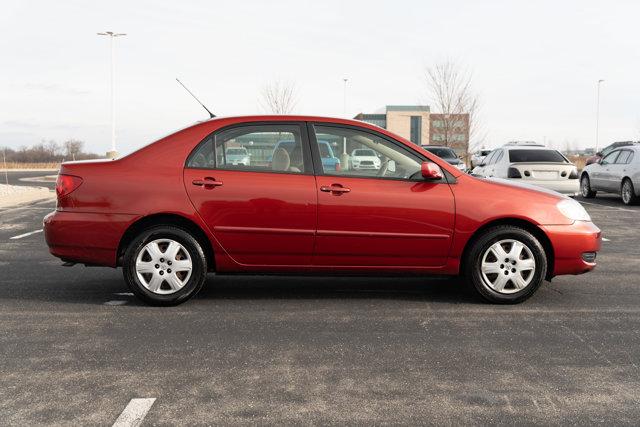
<point x="604" y="239"/>
<point x="134" y="412"/>
<point x="124" y="294"/>
<point x="115" y="302"/>
<point x="20" y="236"/>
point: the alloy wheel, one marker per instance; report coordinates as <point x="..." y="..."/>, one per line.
<point x="626" y="192"/>
<point x="584" y="187"/>
<point x="508" y="266"/>
<point x="163" y="266"/>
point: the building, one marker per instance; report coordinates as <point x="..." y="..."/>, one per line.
<point x="408" y="121"/>
<point x="451" y="130"/>
<point x="417" y="124"/>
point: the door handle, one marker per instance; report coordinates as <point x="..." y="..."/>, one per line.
<point x="208" y="182"/>
<point x="335" y="188"/>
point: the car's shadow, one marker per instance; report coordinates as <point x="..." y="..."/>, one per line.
<point x="107" y="286"/>
<point x="447" y="290"/>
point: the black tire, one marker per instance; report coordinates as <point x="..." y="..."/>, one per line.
<point x="192" y="284"/>
<point x="511" y="294"/>
<point x="628" y="193"/>
<point x="585" y="187"/>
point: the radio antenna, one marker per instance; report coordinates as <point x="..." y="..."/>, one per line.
<point x="194" y="97"/>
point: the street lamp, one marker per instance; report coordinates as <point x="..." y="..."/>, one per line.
<point x="598" y="115"/>
<point x="113" y="153"/>
<point x="344" y="159"/>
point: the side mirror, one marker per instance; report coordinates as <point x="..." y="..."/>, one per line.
<point x="599" y="154"/>
<point x="430" y="171"/>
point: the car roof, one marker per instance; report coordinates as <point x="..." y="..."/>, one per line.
<point x="527" y="147"/>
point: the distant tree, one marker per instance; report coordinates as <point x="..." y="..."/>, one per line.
<point x="451" y="94"/>
<point x="278" y="97"/>
<point x="73" y="148"/>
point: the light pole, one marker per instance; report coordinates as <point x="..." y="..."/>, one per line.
<point x="598" y="115"/>
<point x="344" y="98"/>
<point x="344" y="160"/>
<point x="113" y="153"/>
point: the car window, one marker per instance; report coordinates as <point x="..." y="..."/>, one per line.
<point x="258" y="148"/>
<point x="391" y="160"/>
<point x="444" y="153"/>
<point x="630" y="158"/>
<point x="611" y="157"/>
<point x="622" y="157"/>
<point x="364" y="153"/>
<point x="498" y="156"/>
<point x="489" y="158"/>
<point x="543" y="156"/>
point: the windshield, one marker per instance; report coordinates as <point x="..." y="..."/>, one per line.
<point x="522" y="156"/>
<point x="364" y="153"/>
<point x="236" y="151"/>
<point x="444" y="153"/>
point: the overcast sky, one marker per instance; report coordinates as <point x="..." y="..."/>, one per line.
<point x="535" y="64"/>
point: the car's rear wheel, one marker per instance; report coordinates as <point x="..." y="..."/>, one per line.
<point x="628" y="193"/>
<point x="585" y="187"/>
<point x="164" y="265"/>
<point x="506" y="264"/>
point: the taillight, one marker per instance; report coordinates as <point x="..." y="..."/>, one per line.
<point x="513" y="173"/>
<point x="65" y="184"/>
<point x="573" y="174"/>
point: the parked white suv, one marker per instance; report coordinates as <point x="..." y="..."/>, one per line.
<point x="364" y="158"/>
<point x="531" y="164"/>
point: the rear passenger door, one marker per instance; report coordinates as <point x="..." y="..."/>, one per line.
<point x="261" y="210"/>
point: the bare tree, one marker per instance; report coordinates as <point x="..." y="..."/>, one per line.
<point x="278" y="97"/>
<point x="451" y="94"/>
<point x="73" y="148"/>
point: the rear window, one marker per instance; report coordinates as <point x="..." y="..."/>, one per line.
<point x="445" y="153"/>
<point x="521" y="156"/>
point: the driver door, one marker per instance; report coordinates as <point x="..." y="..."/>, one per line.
<point x="384" y="217"/>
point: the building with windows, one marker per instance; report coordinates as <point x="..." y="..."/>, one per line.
<point x="451" y="130"/>
<point x="408" y="121"/>
<point x="417" y="124"/>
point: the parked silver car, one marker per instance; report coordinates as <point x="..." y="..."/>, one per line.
<point x="618" y="172"/>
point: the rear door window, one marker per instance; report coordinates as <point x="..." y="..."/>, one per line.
<point x="623" y="157"/>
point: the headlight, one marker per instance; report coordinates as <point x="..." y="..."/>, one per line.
<point x="573" y="210"/>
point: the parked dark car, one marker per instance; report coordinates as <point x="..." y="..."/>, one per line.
<point x="448" y="155"/>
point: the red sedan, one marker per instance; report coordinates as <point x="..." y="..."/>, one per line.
<point x="184" y="206"/>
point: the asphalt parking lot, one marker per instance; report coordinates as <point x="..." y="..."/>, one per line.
<point x="76" y="347"/>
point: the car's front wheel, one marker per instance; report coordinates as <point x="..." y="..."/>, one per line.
<point x="585" y="187"/>
<point x="506" y="264"/>
<point x="164" y="265"/>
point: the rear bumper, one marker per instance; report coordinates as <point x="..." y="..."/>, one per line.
<point x="571" y="243"/>
<point x="569" y="187"/>
<point x="89" y="238"/>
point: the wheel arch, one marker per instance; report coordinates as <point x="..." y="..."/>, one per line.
<point x="516" y="222"/>
<point x="174" y="220"/>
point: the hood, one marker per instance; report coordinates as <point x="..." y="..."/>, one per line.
<point x="524" y="185"/>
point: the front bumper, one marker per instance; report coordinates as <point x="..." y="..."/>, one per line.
<point x="570" y="244"/>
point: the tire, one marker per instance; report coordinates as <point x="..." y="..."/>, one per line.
<point x="164" y="266"/>
<point x="585" y="187"/>
<point x="628" y="193"/>
<point x="513" y="281"/>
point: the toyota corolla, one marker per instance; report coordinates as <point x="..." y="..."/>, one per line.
<point x="181" y="207"/>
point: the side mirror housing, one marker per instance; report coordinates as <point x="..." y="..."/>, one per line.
<point x="430" y="171"/>
<point x="599" y="154"/>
